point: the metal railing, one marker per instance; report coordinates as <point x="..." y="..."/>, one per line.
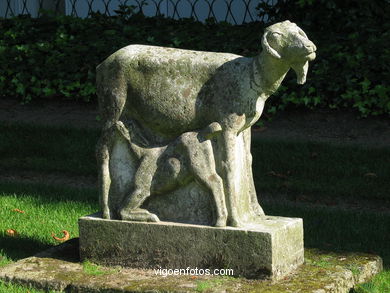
<point x="233" y="11"/>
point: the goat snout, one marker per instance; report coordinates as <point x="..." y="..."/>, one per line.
<point x="310" y="47"/>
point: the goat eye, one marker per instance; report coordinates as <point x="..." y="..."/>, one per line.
<point x="276" y="35"/>
<point x="302" y="33"/>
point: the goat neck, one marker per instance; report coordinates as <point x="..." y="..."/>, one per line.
<point x="268" y="73"/>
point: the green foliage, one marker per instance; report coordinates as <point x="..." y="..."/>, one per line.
<point x="4" y="260"/>
<point x="12" y="288"/>
<point x="46" y="210"/>
<point x="202" y="286"/>
<point x="380" y="283"/>
<point x="352" y="68"/>
<point x="92" y="269"/>
<point x="96" y="270"/>
<point x="55" y="56"/>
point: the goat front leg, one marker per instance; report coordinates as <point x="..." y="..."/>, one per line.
<point x="254" y="204"/>
<point x="204" y="171"/>
<point x="229" y="175"/>
<point x="103" y="149"/>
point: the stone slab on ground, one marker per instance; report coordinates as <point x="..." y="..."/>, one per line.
<point x="59" y="269"/>
<point x="272" y="248"/>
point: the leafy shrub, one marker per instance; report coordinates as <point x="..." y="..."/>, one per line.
<point x="352" y="68"/>
<point x="55" y="57"/>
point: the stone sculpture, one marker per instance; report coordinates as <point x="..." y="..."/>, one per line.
<point x="174" y="118"/>
<point x="165" y="168"/>
<point x="175" y="147"/>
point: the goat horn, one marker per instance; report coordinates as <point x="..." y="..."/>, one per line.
<point x="268" y="48"/>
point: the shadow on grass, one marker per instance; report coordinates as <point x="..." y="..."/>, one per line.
<point x="68" y="251"/>
<point x="338" y="229"/>
<point x="48" y="149"/>
<point x="49" y="192"/>
<point x="321" y="169"/>
<point x="21" y="247"/>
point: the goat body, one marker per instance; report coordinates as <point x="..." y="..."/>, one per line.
<point x="171" y="91"/>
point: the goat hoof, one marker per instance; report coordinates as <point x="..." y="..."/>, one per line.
<point x="106" y="214"/>
<point x="123" y="214"/>
<point x="153" y="218"/>
<point x="139" y="215"/>
<point x="221" y="222"/>
<point x="258" y="211"/>
<point x="235" y="223"/>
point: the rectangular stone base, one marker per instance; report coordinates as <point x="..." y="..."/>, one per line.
<point x="268" y="250"/>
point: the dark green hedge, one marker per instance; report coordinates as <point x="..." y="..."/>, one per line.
<point x="55" y="57"/>
<point x="353" y="64"/>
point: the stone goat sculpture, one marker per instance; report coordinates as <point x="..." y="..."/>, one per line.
<point x="167" y="92"/>
<point x="164" y="168"/>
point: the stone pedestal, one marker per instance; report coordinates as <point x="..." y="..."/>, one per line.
<point x="267" y="250"/>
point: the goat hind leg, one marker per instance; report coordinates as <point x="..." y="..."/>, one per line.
<point x="130" y="208"/>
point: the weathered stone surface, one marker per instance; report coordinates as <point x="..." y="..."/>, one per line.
<point x="59" y="269"/>
<point x="271" y="249"/>
<point x="175" y="146"/>
<point x="159" y="107"/>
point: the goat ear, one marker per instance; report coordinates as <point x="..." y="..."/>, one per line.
<point x="268" y="48"/>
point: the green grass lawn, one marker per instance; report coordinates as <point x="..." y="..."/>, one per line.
<point x="379" y="284"/>
<point x="9" y="288"/>
<point x="46" y="210"/>
<point x="321" y="169"/>
<point x="338" y="229"/>
<point x="312" y="169"/>
<point x="47" y="149"/>
<point x="42" y="210"/>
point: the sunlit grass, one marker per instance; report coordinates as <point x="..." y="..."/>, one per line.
<point x="379" y="284"/>
<point x="12" y="288"/>
<point x="34" y="212"/>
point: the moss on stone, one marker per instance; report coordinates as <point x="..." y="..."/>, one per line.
<point x="325" y="271"/>
<point x="92" y="269"/>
